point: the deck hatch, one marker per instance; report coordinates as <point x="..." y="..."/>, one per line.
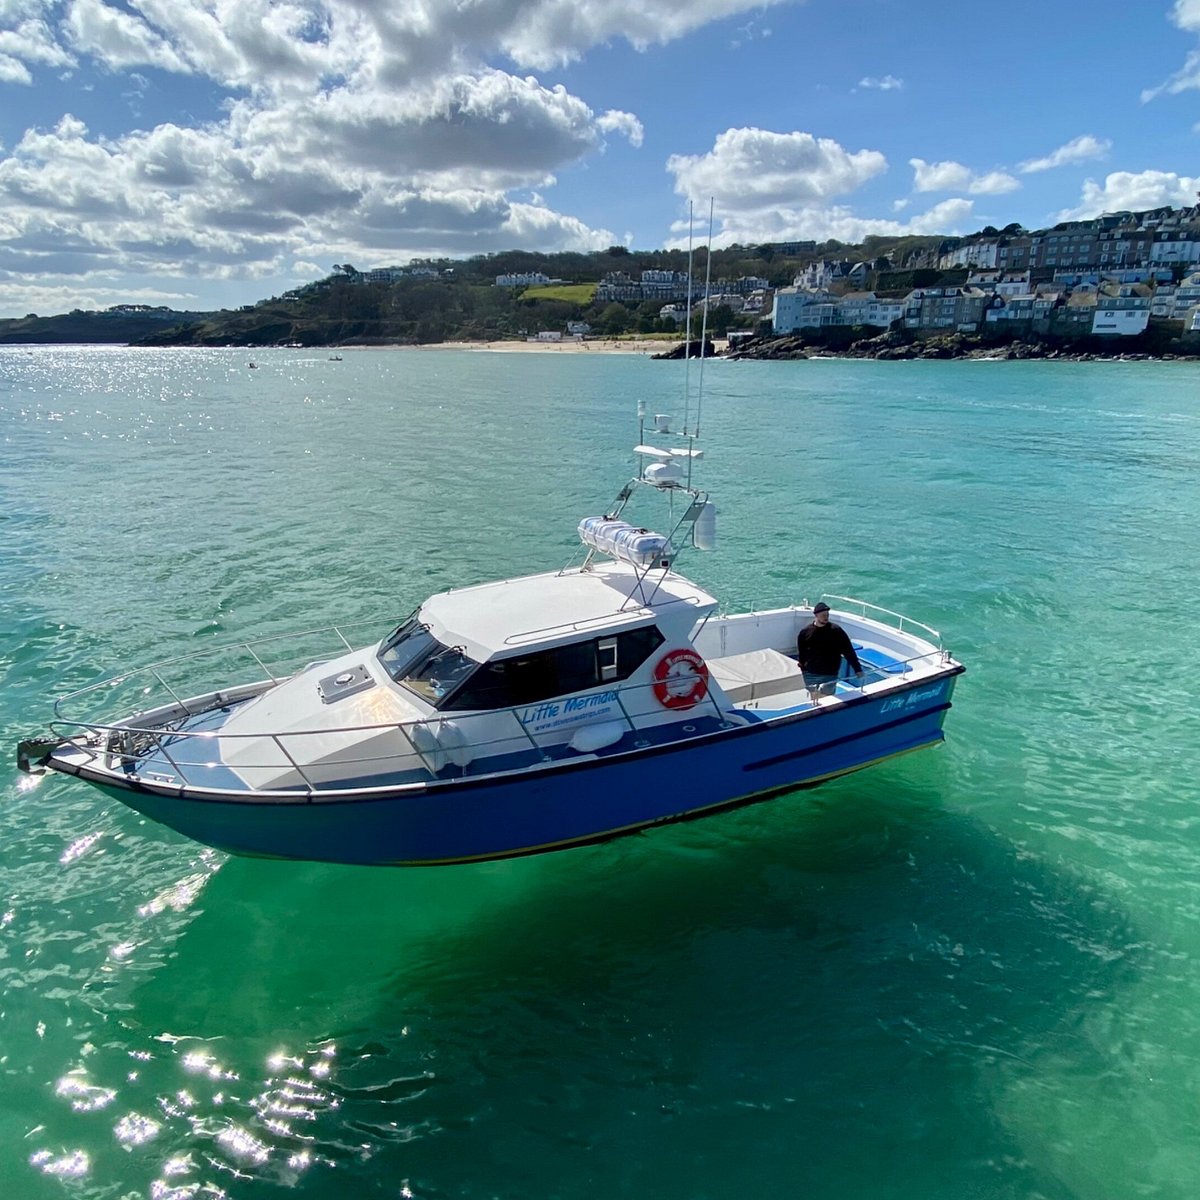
<point x="344" y="683"/>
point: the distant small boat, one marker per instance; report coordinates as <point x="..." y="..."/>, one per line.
<point x="335" y="358"/>
<point x="252" y="365"/>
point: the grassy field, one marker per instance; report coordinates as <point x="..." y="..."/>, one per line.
<point x="573" y="293"/>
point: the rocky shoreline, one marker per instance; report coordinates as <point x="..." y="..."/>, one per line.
<point x="893" y="345"/>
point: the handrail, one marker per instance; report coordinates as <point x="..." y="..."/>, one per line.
<point x="517" y="639"/>
<point x="901" y="623"/>
<point x="247" y="647"/>
<point x="866" y="604"/>
<point x="103" y="736"/>
<point x="642" y="610"/>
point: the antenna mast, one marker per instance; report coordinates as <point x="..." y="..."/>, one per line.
<point x="704" y="324"/>
<point x="687" y="345"/>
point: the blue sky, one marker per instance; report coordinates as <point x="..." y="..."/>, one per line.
<point x="201" y="153"/>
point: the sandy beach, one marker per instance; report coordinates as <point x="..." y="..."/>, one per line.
<point x="646" y="346"/>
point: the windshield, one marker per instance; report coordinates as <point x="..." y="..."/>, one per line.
<point x="412" y="641"/>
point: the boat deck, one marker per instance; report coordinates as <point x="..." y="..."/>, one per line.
<point x="166" y="764"/>
<point x="763" y="685"/>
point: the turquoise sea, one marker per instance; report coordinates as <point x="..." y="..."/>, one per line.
<point x="969" y="973"/>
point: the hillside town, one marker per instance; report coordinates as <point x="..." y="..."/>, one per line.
<point x="1119" y="284"/>
<point x="1107" y="277"/>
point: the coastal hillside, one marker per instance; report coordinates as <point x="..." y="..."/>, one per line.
<point x="439" y="300"/>
<point x="118" y="326"/>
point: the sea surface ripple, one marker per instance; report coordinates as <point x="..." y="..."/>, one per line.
<point x="967" y="973"/>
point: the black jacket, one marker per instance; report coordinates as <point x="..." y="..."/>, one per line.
<point x="820" y="650"/>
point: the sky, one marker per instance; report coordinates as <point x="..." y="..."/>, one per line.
<point x="211" y="153"/>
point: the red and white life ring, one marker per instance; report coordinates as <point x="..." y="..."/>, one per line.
<point x="680" y="679"/>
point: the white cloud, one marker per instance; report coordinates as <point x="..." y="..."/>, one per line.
<point x="820" y="224"/>
<point x="372" y="128"/>
<point x="118" y="38"/>
<point x="33" y="41"/>
<point x="271" y="44"/>
<point x="954" y="177"/>
<point x="994" y="183"/>
<point x="20" y="297"/>
<point x="779" y="186"/>
<point x="309" y="177"/>
<point x="26" y="38"/>
<point x="1126" y="191"/>
<point x="946" y="217"/>
<point x="888" y="83"/>
<point x="624" y="123"/>
<point x="546" y="33"/>
<point x="755" y="168"/>
<point x="938" y="177"/>
<point x="1081" y="149"/>
<point x="1184" y="15"/>
<point x="12" y="70"/>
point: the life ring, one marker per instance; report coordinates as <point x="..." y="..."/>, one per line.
<point x="680" y="679"/>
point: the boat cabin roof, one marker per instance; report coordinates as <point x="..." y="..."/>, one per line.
<point x="509" y="616"/>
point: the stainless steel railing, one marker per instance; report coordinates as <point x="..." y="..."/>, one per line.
<point x="160" y="691"/>
<point x="129" y="744"/>
<point x="865" y="609"/>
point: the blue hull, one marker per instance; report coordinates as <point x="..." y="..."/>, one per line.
<point x="563" y="804"/>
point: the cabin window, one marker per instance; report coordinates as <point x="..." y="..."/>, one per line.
<point x="526" y="679"/>
<point x="606" y="658"/>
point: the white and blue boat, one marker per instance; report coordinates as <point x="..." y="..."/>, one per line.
<point x="508" y="718"/>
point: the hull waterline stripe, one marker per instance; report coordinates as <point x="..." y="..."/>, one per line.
<point x="676" y="819"/>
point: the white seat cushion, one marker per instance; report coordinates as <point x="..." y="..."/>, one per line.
<point x="755" y="674"/>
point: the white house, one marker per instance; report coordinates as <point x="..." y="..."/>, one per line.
<point x="983" y="255"/>
<point x="1162" y="304"/>
<point x="865" y="308"/>
<point x="798" y="308"/>
<point x="1123" y="311"/>
<point x="522" y="279"/>
<point x="1182" y="247"/>
<point x="1187" y="295"/>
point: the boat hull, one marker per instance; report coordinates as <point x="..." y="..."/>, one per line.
<point x="556" y="805"/>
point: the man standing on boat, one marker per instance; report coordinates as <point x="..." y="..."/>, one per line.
<point x="820" y="649"/>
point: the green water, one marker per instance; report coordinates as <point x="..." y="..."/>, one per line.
<point x="968" y="973"/>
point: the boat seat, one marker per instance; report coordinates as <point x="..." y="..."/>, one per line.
<point x="880" y="661"/>
<point x="756" y="674"/>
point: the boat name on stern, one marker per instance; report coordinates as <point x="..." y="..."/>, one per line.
<point x="930" y="693"/>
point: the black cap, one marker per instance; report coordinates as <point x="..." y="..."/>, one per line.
<point x="820" y="606"/>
